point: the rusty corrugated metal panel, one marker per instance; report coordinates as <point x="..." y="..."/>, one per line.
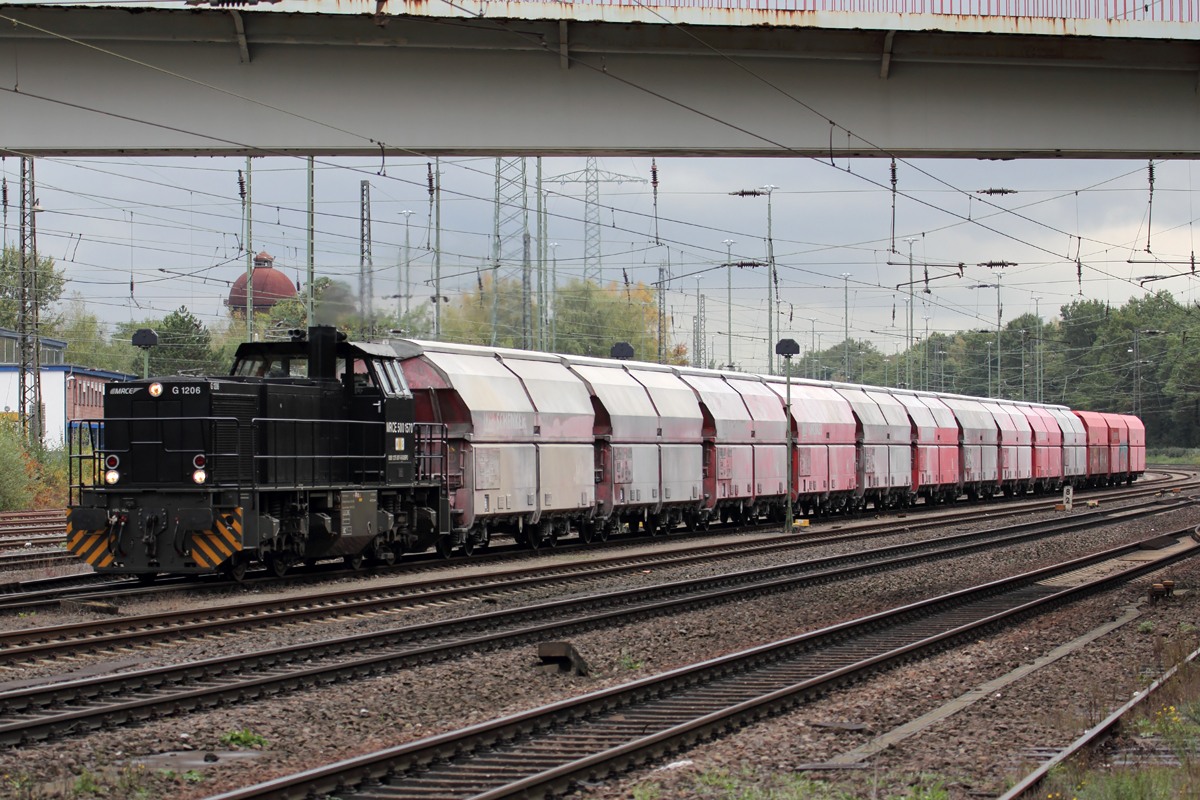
<point x="1169" y="19"/>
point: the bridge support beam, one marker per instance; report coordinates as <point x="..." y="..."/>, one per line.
<point x="109" y="81"/>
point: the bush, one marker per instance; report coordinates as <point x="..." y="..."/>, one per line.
<point x="30" y="477"/>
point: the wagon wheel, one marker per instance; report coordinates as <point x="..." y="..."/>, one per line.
<point x="444" y="546"/>
<point x="467" y="548"/>
<point x="147" y="578"/>
<point x="355" y="562"/>
<point x="549" y="533"/>
<point x="589" y="532"/>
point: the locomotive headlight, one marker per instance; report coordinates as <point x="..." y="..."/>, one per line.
<point x="112" y="476"/>
<point x="199" y="476"/>
<point x="111" y="462"/>
<point x="199" y="461"/>
<point x="155" y="389"/>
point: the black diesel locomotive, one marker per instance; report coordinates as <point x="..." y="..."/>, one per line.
<point x="308" y="450"/>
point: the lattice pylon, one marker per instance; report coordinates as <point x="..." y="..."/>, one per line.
<point x="30" y="377"/>
<point x="510" y="226"/>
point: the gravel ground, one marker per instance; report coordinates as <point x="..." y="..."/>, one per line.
<point x="311" y="728"/>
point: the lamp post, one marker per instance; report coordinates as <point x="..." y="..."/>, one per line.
<point x="999" y="311"/>
<point x="553" y="297"/>
<point x="788" y="348"/>
<point x="407" y="270"/>
<point x="846" y="320"/>
<point x="925" y="354"/>
<point x="145" y="338"/>
<point x="1037" y="354"/>
<point x="942" y="358"/>
<point x="812" y="370"/>
<point x="911" y="330"/>
<point x="1137" y="365"/>
<point x="989" y="360"/>
<point x="729" y="243"/>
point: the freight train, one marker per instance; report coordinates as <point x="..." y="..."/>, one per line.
<point x="320" y="447"/>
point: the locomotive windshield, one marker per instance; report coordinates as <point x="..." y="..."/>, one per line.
<point x="268" y="365"/>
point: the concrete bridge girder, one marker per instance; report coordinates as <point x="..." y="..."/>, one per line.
<point x="190" y="81"/>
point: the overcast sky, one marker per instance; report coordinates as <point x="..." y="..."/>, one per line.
<point x="175" y="226"/>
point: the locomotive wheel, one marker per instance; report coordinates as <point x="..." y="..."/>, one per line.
<point x="444" y="546"/>
<point x="355" y="561"/>
<point x="235" y="568"/>
<point x="279" y="565"/>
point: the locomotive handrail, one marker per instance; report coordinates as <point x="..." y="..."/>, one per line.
<point x="94" y="428"/>
<point x="429" y="454"/>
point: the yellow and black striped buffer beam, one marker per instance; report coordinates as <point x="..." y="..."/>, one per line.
<point x="91" y="546"/>
<point x="212" y="548"/>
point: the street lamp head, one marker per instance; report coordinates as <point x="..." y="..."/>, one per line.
<point x="729" y="242"/>
<point x="407" y="214"/>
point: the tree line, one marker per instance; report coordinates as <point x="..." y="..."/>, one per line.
<point x="1142" y="357"/>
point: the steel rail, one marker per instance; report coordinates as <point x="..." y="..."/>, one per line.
<point x="78" y="638"/>
<point x="31" y="713"/>
<point x="549" y="746"/>
<point x="44" y="593"/>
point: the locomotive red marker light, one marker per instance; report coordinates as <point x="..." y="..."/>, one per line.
<point x="112" y="476"/>
<point x="199" y="461"/>
<point x="155" y="389"/>
<point x="112" y="462"/>
<point x="199" y="476"/>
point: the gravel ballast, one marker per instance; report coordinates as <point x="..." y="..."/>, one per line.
<point x="311" y="728"/>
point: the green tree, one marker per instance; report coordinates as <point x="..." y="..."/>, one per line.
<point x="590" y="319"/>
<point x="184" y="346"/>
<point x="50" y="283"/>
<point x="88" y="342"/>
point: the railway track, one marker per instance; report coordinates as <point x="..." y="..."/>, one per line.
<point x="46" y="593"/>
<point x="46" y="711"/>
<point x="36" y="559"/>
<point x="78" y="638"/>
<point x="19" y="528"/>
<point x="1095" y="738"/>
<point x="549" y="750"/>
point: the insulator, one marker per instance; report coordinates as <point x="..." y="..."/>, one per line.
<point x="242" y="185"/>
<point x="1150" y="170"/>
<point x="893" y="173"/>
<point x="653" y="173"/>
<point x="4" y="192"/>
<point x="429" y="165"/>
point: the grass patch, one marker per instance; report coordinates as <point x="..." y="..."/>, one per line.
<point x="1173" y="455"/>
<point x="243" y="738"/>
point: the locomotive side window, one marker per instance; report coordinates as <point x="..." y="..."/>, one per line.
<point x="385" y="377"/>
<point x="268" y="366"/>
<point x="364" y="381"/>
<point x="397" y="377"/>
